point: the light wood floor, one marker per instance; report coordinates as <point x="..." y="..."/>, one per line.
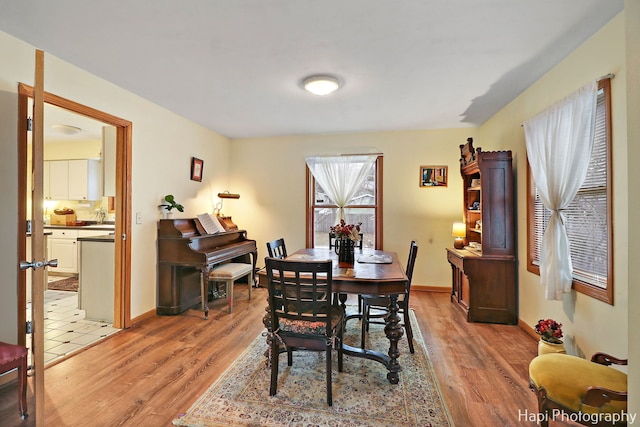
<point x="150" y="373"/>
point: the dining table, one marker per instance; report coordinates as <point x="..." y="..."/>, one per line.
<point x="374" y="272"/>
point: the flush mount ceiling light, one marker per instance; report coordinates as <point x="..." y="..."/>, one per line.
<point x="66" y="129"/>
<point x="320" y="84"/>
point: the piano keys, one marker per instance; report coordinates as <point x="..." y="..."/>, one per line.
<point x="186" y="255"/>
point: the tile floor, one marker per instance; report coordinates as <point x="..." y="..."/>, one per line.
<point x="66" y="329"/>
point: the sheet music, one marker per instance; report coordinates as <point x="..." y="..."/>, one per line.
<point x="210" y="223"/>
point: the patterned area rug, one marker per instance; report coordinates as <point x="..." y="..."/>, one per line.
<point x="362" y="396"/>
<point x="69" y="284"/>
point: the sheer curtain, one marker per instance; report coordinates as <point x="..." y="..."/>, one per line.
<point x="559" y="141"/>
<point x="340" y="177"/>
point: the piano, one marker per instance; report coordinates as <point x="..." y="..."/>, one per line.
<point x="186" y="255"/>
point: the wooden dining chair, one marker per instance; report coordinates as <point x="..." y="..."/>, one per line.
<point x="302" y="315"/>
<point x="12" y="357"/>
<point x="381" y="302"/>
<point x="277" y="248"/>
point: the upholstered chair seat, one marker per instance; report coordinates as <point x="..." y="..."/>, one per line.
<point x="574" y="384"/>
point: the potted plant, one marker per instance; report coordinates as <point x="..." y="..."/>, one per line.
<point x="168" y="204"/>
<point x="550" y="333"/>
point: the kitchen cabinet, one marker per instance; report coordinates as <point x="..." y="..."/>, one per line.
<point x="56" y="180"/>
<point x="484" y="283"/>
<point x="63" y="246"/>
<point x="73" y="179"/>
<point x="96" y="279"/>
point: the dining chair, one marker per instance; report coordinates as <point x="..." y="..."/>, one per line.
<point x="381" y="302"/>
<point x="302" y="316"/>
<point x="277" y="248"/>
<point x="12" y="357"/>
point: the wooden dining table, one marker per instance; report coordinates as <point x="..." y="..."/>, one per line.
<point x="374" y="272"/>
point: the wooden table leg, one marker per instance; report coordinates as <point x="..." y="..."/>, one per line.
<point x="394" y="331"/>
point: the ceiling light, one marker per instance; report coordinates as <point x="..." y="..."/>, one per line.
<point x="320" y="85"/>
<point x="66" y="129"/>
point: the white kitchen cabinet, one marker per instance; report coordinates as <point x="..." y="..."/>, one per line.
<point x="63" y="247"/>
<point x="96" y="294"/>
<point x="85" y="180"/>
<point x="109" y="138"/>
<point x="57" y="179"/>
<point x="73" y="179"/>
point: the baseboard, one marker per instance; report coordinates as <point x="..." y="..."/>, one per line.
<point x="423" y="288"/>
<point x="528" y="329"/>
<point x="144" y="316"/>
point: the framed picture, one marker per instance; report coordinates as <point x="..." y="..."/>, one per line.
<point x="196" y="169"/>
<point x="433" y="176"/>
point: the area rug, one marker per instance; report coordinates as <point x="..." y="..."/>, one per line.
<point x="69" y="284"/>
<point x="362" y="396"/>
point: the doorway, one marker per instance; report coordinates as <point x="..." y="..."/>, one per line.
<point x="121" y="204"/>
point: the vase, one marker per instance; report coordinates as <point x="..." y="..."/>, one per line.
<point x="545" y="347"/>
<point x="345" y="249"/>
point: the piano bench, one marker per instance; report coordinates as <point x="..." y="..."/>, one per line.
<point x="228" y="274"/>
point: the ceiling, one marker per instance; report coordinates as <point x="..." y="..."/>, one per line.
<point x="236" y="66"/>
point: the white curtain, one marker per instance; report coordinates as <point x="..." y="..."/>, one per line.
<point x="559" y="141"/>
<point x="340" y="177"/>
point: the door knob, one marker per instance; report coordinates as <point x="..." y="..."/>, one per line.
<point x="38" y="264"/>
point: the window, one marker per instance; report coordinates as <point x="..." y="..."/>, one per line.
<point x="588" y="216"/>
<point x="365" y="206"/>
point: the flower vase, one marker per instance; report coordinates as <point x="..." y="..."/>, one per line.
<point x="345" y="249"/>
<point x="546" y="347"/>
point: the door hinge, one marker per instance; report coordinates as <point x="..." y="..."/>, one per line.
<point x="29" y="327"/>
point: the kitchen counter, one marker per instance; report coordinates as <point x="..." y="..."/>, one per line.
<point x="83" y="227"/>
<point x="101" y="238"/>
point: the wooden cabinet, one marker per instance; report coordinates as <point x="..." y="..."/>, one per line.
<point x="72" y="179"/>
<point x="484" y="281"/>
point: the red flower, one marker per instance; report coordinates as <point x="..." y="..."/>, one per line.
<point x="346" y="231"/>
<point x="549" y="330"/>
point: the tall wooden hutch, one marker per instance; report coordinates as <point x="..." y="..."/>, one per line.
<point x="484" y="282"/>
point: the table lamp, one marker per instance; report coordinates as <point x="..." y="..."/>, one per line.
<point x="459" y="231"/>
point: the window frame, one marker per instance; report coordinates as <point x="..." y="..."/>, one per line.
<point x="602" y="294"/>
<point x="310" y="199"/>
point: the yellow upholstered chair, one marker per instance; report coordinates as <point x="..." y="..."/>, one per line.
<point x="578" y="389"/>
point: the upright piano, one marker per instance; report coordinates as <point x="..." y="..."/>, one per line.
<point x="186" y="255"/>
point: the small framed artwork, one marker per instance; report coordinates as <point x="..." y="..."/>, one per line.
<point x="433" y="176"/>
<point x="196" y="169"/>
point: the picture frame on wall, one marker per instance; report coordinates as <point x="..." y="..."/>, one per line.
<point x="433" y="176"/>
<point x="197" y="165"/>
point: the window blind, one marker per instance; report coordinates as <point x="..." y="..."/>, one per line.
<point x="586" y="217"/>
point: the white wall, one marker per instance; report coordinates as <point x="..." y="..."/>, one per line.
<point x="269" y="174"/>
<point x="582" y="316"/>
<point x="632" y="27"/>
<point x="163" y="144"/>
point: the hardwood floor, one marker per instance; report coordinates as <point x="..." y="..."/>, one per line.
<point x="148" y="374"/>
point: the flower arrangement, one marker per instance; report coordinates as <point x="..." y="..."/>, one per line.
<point x="549" y="330"/>
<point x="347" y="231"/>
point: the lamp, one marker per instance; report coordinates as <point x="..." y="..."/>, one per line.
<point x="66" y="129"/>
<point x="226" y="221"/>
<point x="320" y="85"/>
<point x="459" y="231"/>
